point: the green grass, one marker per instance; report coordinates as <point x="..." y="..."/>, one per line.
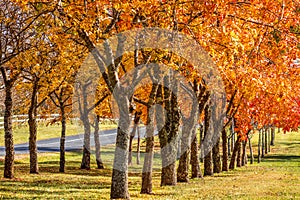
<point x="21" y="133"/>
<point x="277" y="177"/>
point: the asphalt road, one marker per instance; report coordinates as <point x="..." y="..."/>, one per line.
<point x="73" y="143"/>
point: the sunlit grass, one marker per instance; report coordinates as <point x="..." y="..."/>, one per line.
<point x="277" y="177"/>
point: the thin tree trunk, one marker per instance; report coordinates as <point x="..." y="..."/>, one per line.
<point x="196" y="171"/>
<point x="263" y="143"/>
<point x="259" y="147"/>
<point x="272" y="142"/>
<point x="269" y="140"/>
<point x="216" y="157"/>
<point x="251" y="150"/>
<point x="86" y="154"/>
<point x="97" y="144"/>
<point x="239" y="155"/>
<point x="62" y="140"/>
<point x="225" y="152"/>
<point x="132" y="135"/>
<point x="8" y="133"/>
<point x="266" y="141"/>
<point x="208" y="162"/>
<point x="32" y="113"/>
<point x="234" y="155"/>
<point x="148" y="161"/>
<point x="229" y="145"/>
<point x="244" y="154"/>
<point x="138" y="146"/>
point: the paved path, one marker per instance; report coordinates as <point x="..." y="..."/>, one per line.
<point x="73" y="143"/>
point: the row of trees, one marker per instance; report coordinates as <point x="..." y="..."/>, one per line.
<point x="255" y="46"/>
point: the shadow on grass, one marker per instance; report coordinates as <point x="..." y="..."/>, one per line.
<point x="282" y="158"/>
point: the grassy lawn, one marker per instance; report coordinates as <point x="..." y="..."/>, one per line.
<point x="21" y="133"/>
<point x="277" y="177"/>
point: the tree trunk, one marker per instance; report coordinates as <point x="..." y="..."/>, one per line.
<point x="8" y="133"/>
<point x="259" y="147"/>
<point x="225" y="153"/>
<point x="196" y="171"/>
<point x="216" y="157"/>
<point x="234" y="155"/>
<point x="266" y="141"/>
<point x="251" y="151"/>
<point x="86" y="154"/>
<point x="239" y="154"/>
<point x="138" y="151"/>
<point x="119" y="183"/>
<point x="208" y="162"/>
<point x="32" y="113"/>
<point x="229" y="145"/>
<point x="263" y="143"/>
<point x="244" y="154"/>
<point x="97" y="144"/>
<point x="62" y="140"/>
<point x="148" y="161"/>
<point x="269" y="140"/>
<point x="183" y="167"/>
<point x="188" y="134"/>
<point x="272" y="142"/>
<point x="132" y="135"/>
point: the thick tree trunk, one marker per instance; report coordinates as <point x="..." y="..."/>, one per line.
<point x="216" y="157"/>
<point x="225" y="152"/>
<point x="86" y="154"/>
<point x="8" y="133"/>
<point x="234" y="155"/>
<point x="97" y="144"/>
<point x="251" y="151"/>
<point x="32" y="113"/>
<point x="259" y="147"/>
<point x="62" y="140"/>
<point x="119" y="183"/>
<point x="272" y="142"/>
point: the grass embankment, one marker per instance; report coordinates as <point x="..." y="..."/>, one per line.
<point x="21" y="133"/>
<point x="277" y="177"/>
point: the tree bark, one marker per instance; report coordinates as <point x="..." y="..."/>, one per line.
<point x="62" y="140"/>
<point x="272" y="142"/>
<point x="208" y="160"/>
<point x="138" y="146"/>
<point x="32" y="113"/>
<point x="119" y="183"/>
<point x="97" y="144"/>
<point x="263" y="143"/>
<point x="239" y="154"/>
<point x="259" y="147"/>
<point x="8" y="133"/>
<point x="86" y="154"/>
<point x="251" y="150"/>
<point x="216" y="157"/>
<point x="148" y="161"/>
<point x="132" y="135"/>
<point x="234" y="155"/>
<point x="266" y="141"/>
<point x="244" y="154"/>
<point x="225" y="152"/>
<point x="196" y="171"/>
